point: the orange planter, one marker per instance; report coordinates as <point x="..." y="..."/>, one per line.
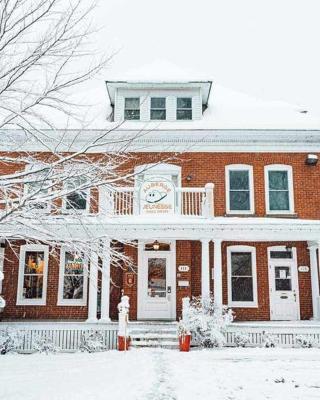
<point x="123" y="344"/>
<point x="184" y="342"/>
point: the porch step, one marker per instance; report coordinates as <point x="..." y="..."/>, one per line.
<point x="155" y="334"/>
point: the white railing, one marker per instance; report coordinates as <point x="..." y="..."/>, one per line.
<point x="124" y="201"/>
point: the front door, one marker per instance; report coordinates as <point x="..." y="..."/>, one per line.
<point x="284" y="291"/>
<point x="156" y="285"/>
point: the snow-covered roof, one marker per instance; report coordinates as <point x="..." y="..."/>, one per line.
<point x="227" y="109"/>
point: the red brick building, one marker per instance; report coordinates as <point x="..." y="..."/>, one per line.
<point x="222" y="202"/>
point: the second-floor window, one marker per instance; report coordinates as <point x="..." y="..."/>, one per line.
<point x="77" y="198"/>
<point x="158" y="108"/>
<point x="184" y="108"/>
<point x="132" y="108"/>
<point x="279" y="189"/>
<point x="239" y="189"/>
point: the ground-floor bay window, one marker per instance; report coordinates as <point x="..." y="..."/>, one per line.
<point x="242" y="276"/>
<point x="73" y="279"/>
<point x="33" y="270"/>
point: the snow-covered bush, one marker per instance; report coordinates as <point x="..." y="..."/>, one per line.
<point x="183" y="329"/>
<point x="92" y="341"/>
<point x="45" y="345"/>
<point x="206" y="323"/>
<point x="269" y="340"/>
<point x="10" y="340"/>
<point x="305" y="341"/>
<point x="241" y="339"/>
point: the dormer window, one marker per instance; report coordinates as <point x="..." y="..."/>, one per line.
<point x="158" y="108"/>
<point x="132" y="108"/>
<point x="184" y="108"/>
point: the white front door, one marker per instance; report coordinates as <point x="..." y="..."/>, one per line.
<point x="284" y="290"/>
<point x="156" y="285"/>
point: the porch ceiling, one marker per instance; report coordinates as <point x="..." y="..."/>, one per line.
<point x="184" y="228"/>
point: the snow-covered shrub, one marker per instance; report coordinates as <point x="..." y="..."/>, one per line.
<point x="10" y="340"/>
<point x="92" y="341"/>
<point x="241" y="339"/>
<point x="206" y="323"/>
<point x="45" y="345"/>
<point x="269" y="340"/>
<point x="183" y="329"/>
<point x="305" y="341"/>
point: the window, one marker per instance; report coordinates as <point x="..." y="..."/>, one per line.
<point x="279" y="189"/>
<point x="132" y="108"/>
<point x="184" y="108"/>
<point x="33" y="267"/>
<point x="77" y="200"/>
<point x="37" y="187"/>
<point x="239" y="189"/>
<point x="158" y="108"/>
<point x="242" y="277"/>
<point x="72" y="279"/>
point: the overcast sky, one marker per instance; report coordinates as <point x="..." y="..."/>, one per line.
<point x="266" y="48"/>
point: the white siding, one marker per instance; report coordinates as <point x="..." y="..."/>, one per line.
<point x="171" y="102"/>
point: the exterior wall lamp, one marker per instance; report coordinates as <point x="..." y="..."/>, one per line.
<point x="156" y="245"/>
<point x="312" y="159"/>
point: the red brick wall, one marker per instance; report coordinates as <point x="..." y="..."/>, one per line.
<point x="50" y="310"/>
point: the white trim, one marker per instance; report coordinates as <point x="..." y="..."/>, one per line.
<point x="239" y="167"/>
<point x="295" y="278"/>
<point x="279" y="167"/>
<point x="71" y="302"/>
<point x="1" y="264"/>
<point x="141" y="259"/>
<point x="246" y="249"/>
<point x="32" y="302"/>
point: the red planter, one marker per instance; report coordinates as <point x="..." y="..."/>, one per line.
<point x="184" y="342"/>
<point x="123" y="344"/>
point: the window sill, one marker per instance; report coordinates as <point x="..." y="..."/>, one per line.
<point x="234" y="214"/>
<point x="243" y="305"/>
<point x="66" y="303"/>
<point x="30" y="303"/>
<point x="281" y="215"/>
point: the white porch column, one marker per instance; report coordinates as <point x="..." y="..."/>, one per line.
<point x="315" y="279"/>
<point x="217" y="273"/>
<point x="105" y="282"/>
<point x="205" y="268"/>
<point x="93" y="286"/>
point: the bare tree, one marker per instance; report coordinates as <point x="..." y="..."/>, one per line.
<point x="45" y="55"/>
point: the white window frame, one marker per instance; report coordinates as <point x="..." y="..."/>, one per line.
<point x="2" y="250"/>
<point x="157" y="109"/>
<point x="133" y="109"/>
<point x="184" y="109"/>
<point x="71" y="302"/>
<point x="279" y="167"/>
<point x="32" y="302"/>
<point x="243" y="249"/>
<point x="239" y="167"/>
<point x="29" y="169"/>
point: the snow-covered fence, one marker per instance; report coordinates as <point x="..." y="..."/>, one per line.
<point x="65" y="336"/>
<point x="285" y="335"/>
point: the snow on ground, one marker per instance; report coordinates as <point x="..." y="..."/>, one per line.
<point x="155" y="374"/>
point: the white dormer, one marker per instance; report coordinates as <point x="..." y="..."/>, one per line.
<point x="158" y="101"/>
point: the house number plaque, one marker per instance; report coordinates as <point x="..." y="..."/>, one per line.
<point x="303" y="268"/>
<point x="183" y="268"/>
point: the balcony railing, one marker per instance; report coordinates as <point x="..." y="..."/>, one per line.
<point x="191" y="202"/>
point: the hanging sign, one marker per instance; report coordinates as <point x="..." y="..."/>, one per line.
<point x="157" y="196"/>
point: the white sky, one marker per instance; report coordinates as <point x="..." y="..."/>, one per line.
<point x="266" y="48"/>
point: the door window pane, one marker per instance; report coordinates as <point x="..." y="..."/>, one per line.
<point x="239" y="190"/>
<point x="278" y="191"/>
<point x="157" y="286"/>
<point x="33" y="275"/>
<point x="283" y="278"/>
<point x="241" y="276"/>
<point x="281" y="254"/>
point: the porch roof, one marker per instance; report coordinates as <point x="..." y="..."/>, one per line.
<point x="174" y="227"/>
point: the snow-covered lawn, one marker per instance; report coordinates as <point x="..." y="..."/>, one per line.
<point x="152" y="374"/>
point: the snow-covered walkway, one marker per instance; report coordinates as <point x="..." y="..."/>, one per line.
<point x="154" y="374"/>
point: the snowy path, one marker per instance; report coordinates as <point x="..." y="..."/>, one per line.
<point x="240" y="374"/>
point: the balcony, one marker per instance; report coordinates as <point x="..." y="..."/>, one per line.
<point x="158" y="199"/>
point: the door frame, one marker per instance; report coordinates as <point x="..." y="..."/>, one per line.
<point x="172" y="271"/>
<point x="295" y="277"/>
